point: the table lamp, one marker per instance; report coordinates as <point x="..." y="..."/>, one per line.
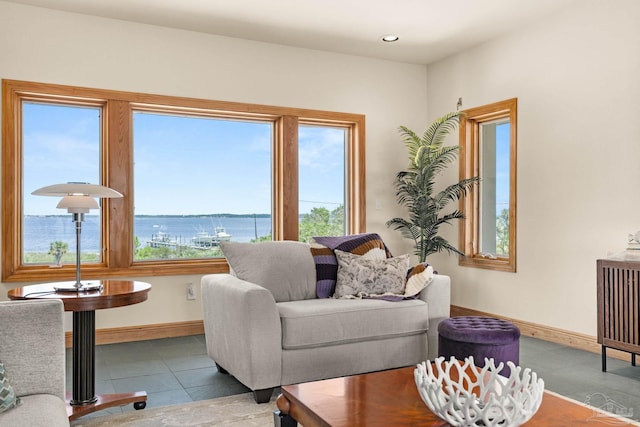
<point x="78" y="199"/>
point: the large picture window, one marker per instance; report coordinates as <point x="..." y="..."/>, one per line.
<point x="488" y="233"/>
<point x="193" y="172"/>
<point x="199" y="180"/>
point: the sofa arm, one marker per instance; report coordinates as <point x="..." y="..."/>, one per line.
<point x="242" y="330"/>
<point x="438" y="295"/>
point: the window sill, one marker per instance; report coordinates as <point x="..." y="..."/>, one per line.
<point x="42" y="273"/>
<point x="497" y="264"/>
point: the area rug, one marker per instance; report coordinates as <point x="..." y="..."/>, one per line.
<point x="234" y="411"/>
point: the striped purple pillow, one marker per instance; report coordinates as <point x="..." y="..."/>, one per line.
<point x="369" y="245"/>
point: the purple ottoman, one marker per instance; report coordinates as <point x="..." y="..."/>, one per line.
<point x="480" y="337"/>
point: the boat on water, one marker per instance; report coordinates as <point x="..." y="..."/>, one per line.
<point x="204" y="239"/>
<point x="161" y="239"/>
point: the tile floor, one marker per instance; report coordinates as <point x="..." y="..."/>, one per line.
<point x="578" y="374"/>
<point x="177" y="370"/>
<point x="171" y="371"/>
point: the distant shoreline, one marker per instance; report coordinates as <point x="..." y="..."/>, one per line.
<point x="40" y="230"/>
<point x="221" y="215"/>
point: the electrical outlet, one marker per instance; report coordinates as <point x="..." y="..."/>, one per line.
<point x="191" y="291"/>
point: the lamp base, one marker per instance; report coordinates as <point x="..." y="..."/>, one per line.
<point x="72" y="287"/>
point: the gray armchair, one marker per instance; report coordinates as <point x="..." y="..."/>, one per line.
<point x="33" y="354"/>
<point x="268" y="328"/>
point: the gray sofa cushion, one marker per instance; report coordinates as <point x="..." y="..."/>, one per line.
<point x="37" y="410"/>
<point x="327" y="321"/>
<point x="285" y="268"/>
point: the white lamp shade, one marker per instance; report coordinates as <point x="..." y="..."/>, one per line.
<point x="78" y="204"/>
<point x="77" y="189"/>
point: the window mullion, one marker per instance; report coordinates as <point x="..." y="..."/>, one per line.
<point x="117" y="166"/>
<point x="286" y="174"/>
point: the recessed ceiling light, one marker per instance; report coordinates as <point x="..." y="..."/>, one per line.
<point x="390" y="38"/>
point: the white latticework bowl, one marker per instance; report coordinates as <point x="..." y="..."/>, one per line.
<point x="462" y="394"/>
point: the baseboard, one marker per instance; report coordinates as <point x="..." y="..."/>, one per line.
<point x="548" y="333"/>
<point x="144" y="332"/>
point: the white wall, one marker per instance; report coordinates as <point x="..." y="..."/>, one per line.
<point x="41" y="45"/>
<point x="577" y="79"/>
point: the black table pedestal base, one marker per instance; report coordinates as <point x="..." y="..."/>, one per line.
<point x="83" y="399"/>
<point x="84" y="344"/>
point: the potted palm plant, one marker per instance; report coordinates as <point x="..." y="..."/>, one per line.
<point x="416" y="187"/>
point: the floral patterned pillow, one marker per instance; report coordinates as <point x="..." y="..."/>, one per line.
<point x="360" y="277"/>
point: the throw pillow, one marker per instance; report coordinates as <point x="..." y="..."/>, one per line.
<point x="8" y="397"/>
<point x="360" y="277"/>
<point x="369" y="245"/>
<point x="417" y="279"/>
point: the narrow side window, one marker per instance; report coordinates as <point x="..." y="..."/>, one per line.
<point x="489" y="139"/>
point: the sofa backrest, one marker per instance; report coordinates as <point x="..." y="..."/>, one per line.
<point x="285" y="268"/>
<point x="32" y="346"/>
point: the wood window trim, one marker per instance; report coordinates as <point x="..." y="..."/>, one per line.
<point x="117" y="173"/>
<point x="469" y="167"/>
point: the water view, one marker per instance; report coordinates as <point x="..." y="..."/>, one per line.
<point x="40" y="231"/>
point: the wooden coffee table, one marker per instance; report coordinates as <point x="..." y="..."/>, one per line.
<point x="390" y="398"/>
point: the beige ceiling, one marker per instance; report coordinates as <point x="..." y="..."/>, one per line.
<point x="428" y="29"/>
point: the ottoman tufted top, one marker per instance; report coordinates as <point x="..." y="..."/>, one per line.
<point x="479" y="329"/>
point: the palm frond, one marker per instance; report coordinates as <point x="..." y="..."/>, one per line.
<point x="411" y="141"/>
<point x="442" y="244"/>
<point x="405" y="227"/>
<point x="440" y="158"/>
<point x="441" y="127"/>
<point x="455" y="191"/>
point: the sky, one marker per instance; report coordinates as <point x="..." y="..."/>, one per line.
<point x="191" y="165"/>
<point x="182" y="165"/>
<point x="502" y="165"/>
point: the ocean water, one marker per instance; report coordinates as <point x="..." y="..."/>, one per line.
<point x="40" y="231"/>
